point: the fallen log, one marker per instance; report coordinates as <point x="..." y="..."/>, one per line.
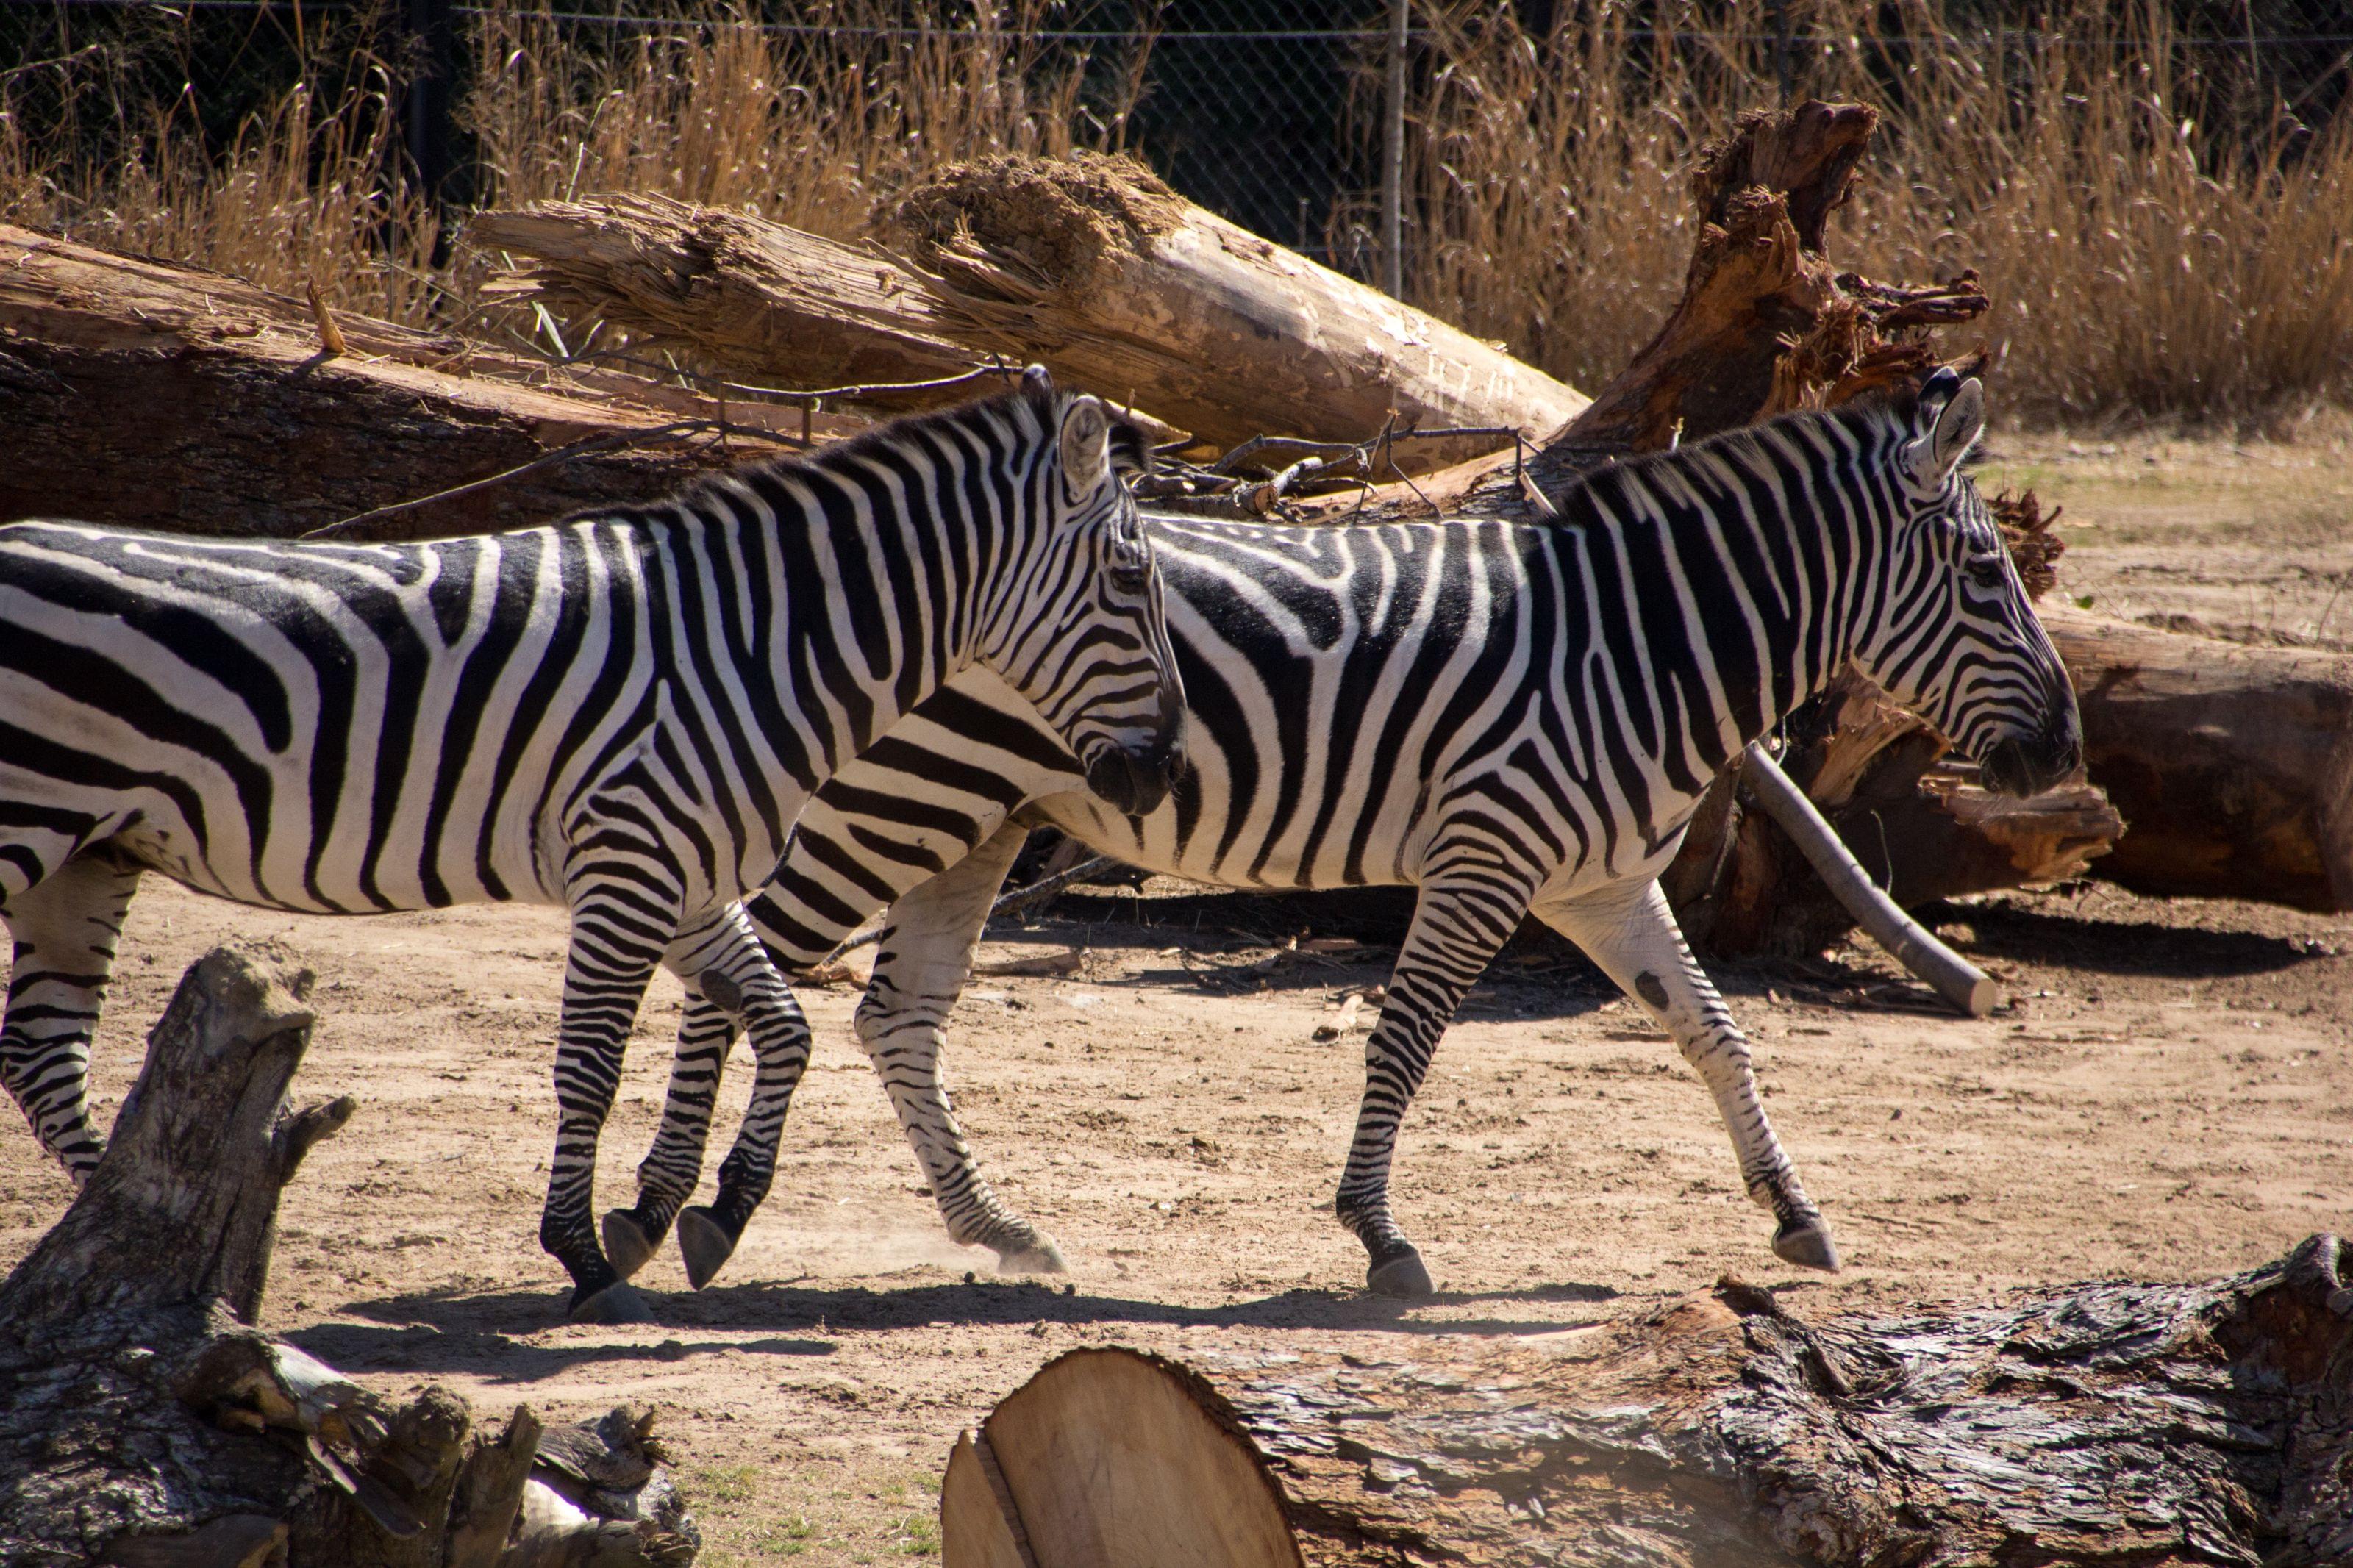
<point x="1089" y="264"/>
<point x="1119" y="280"/>
<point x="145" y="1423"/>
<point x="142" y="394"/>
<point x="755" y="298"/>
<point x="2233" y="764"/>
<point x="2110" y="1423"/>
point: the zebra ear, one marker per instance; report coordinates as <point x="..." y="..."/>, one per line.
<point x="1958" y="428"/>
<point x="1086" y="448"/>
<point x="1948" y="420"/>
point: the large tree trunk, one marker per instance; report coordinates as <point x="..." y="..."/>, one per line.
<point x="1137" y="292"/>
<point x="144" y="394"/>
<point x="144" y="1421"/>
<point x="759" y="299"/>
<point x="2130" y="1424"/>
<point x="1089" y="264"/>
<point x="2234" y="765"/>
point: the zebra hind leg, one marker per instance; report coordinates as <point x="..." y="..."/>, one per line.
<point x="1628" y="930"/>
<point x="668" y="1175"/>
<point x="730" y="970"/>
<point x="66" y="929"/>
<point x="1460" y="923"/>
<point x="926" y="951"/>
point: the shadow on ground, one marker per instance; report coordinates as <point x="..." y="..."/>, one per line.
<point x="472" y="1333"/>
<point x="2005" y="929"/>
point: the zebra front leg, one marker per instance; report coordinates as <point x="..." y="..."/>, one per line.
<point x="612" y="957"/>
<point x="1458" y="924"/>
<point x="725" y="964"/>
<point x="926" y="954"/>
<point x="1628" y="930"/>
<point x="65" y="928"/>
<point x="668" y="1175"/>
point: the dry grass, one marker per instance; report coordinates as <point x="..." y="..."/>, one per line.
<point x="2140" y="261"/>
<point x="812" y="128"/>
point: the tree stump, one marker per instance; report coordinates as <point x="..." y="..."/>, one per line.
<point x="145" y="1423"/>
<point x="2117" y="1424"/>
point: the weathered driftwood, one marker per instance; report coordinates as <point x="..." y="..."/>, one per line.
<point x="2117" y="1424"/>
<point x="144" y="1421"/>
<point x="1113" y="278"/>
<point x="1951" y="976"/>
<point x="145" y="395"/>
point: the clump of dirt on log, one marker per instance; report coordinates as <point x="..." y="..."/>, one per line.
<point x="1061" y="218"/>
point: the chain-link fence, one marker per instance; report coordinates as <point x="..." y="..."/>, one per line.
<point x="1271" y="112"/>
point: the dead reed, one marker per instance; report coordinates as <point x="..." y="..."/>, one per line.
<point x="2147" y="256"/>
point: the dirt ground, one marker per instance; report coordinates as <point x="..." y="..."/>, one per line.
<point x="2168" y="1094"/>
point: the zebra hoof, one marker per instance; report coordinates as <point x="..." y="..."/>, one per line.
<point x="1807" y="1246"/>
<point x="1402" y="1276"/>
<point x="1042" y="1257"/>
<point x="626" y="1244"/>
<point x="704" y="1244"/>
<point x="616" y="1303"/>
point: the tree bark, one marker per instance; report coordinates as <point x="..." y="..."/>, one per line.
<point x="144" y="1421"/>
<point x="1089" y="264"/>
<point x="2115" y="1424"/>
<point x="145" y="395"/>
<point x="1141" y="294"/>
<point x="753" y="297"/>
<point x="2234" y="765"/>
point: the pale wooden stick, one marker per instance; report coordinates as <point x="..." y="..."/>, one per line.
<point x="1953" y="977"/>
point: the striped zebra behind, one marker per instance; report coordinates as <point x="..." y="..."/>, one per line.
<point x="1515" y="719"/>
<point x="621" y="713"/>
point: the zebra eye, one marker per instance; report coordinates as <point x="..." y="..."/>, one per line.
<point x="1986" y="570"/>
<point x="1130" y="576"/>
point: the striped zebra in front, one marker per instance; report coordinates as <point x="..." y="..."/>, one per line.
<point x="622" y="713"/>
<point x="1515" y="719"/>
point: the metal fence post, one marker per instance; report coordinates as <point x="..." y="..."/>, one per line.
<point x="1393" y="157"/>
<point x="1779" y="10"/>
<point x="431" y="62"/>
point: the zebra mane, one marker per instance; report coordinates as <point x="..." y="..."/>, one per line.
<point x="1877" y="420"/>
<point x="1027" y="411"/>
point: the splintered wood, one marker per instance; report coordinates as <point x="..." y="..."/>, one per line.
<point x="145" y="1423"/>
<point x="2108" y="1422"/>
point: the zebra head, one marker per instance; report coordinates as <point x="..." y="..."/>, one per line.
<point x="1079" y="628"/>
<point x="1953" y="637"/>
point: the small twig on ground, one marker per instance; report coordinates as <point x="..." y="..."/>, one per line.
<point x="1012" y="903"/>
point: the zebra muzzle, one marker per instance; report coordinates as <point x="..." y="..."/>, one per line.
<point x="1135" y="780"/>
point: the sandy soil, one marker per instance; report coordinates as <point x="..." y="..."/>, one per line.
<point x="2169" y="1094"/>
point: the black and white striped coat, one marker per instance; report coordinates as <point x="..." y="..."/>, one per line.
<point x="1513" y="719"/>
<point x="622" y="714"/>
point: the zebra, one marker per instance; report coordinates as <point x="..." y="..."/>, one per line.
<point x="1514" y="717"/>
<point x="621" y="713"/>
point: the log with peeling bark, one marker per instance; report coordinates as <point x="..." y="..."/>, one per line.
<point x="145" y="1423"/>
<point x="2149" y="1425"/>
<point x="1087" y="265"/>
<point x="142" y="394"/>
<point x="1138" y="293"/>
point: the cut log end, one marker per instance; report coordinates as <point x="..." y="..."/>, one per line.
<point x="2062" y="1424"/>
<point x="1053" y="1476"/>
